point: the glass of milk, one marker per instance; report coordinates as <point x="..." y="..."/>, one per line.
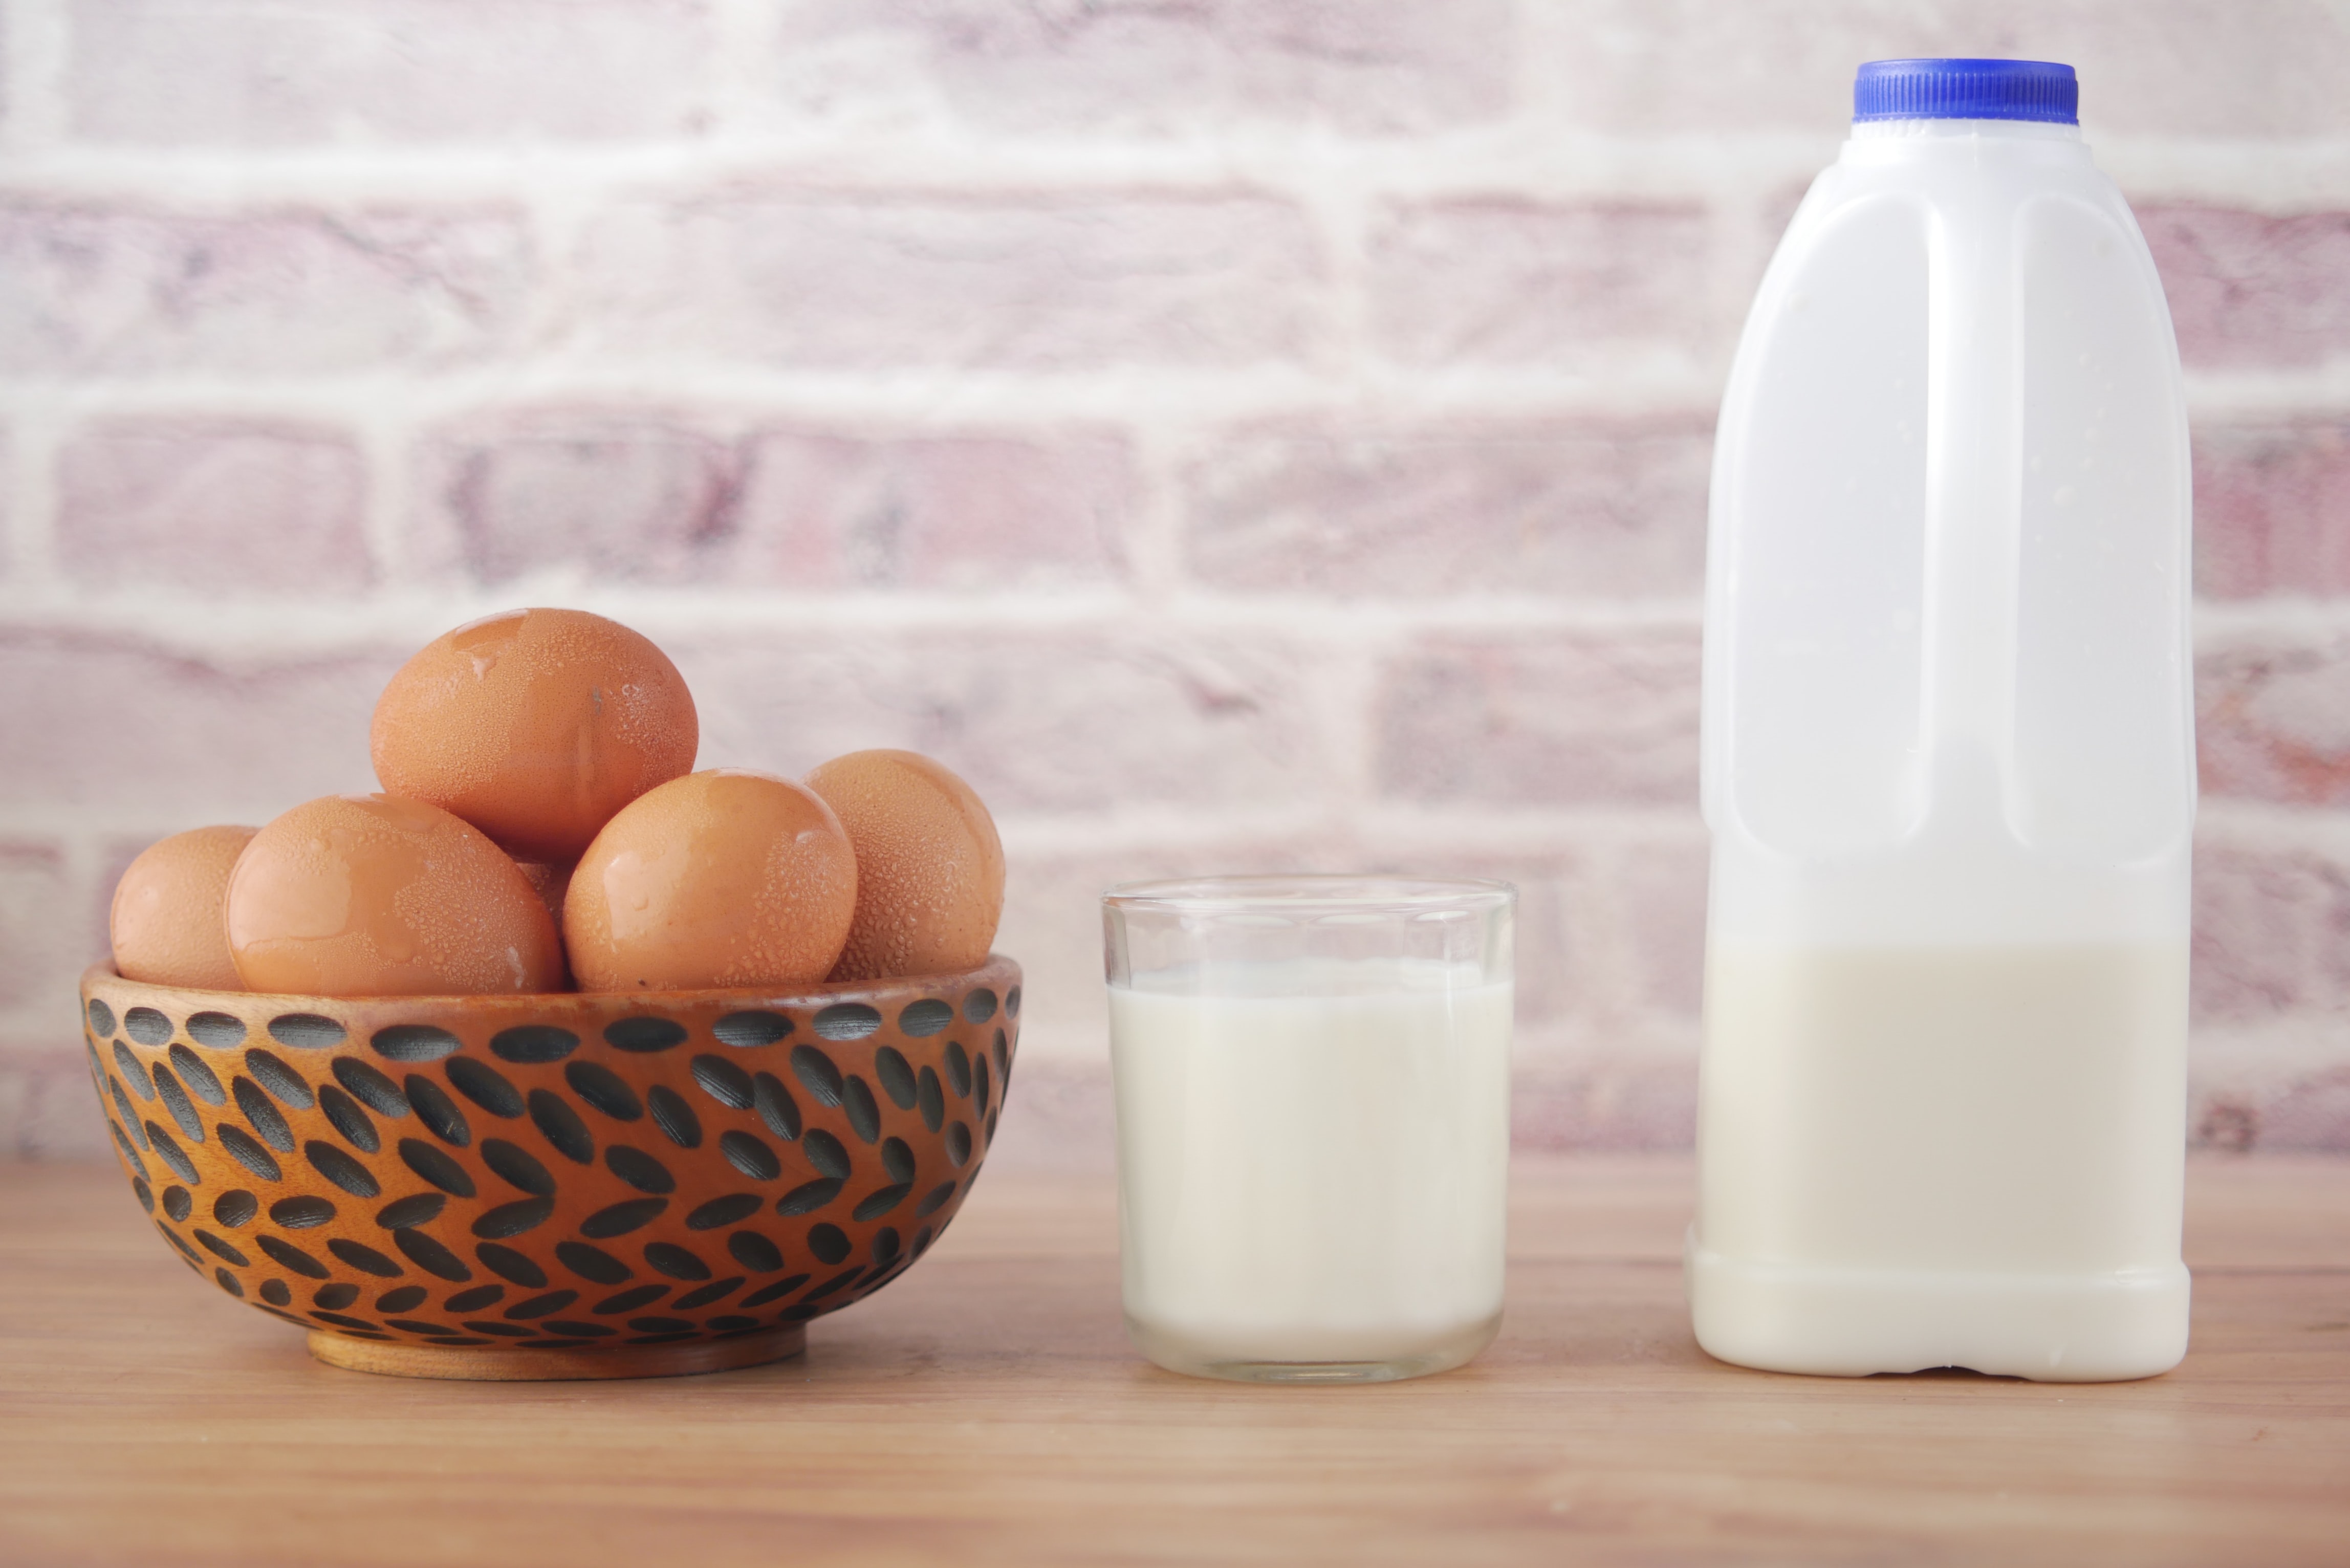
<point x="1312" y="1085"/>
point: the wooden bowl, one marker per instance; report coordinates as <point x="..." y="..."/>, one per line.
<point x="563" y="1186"/>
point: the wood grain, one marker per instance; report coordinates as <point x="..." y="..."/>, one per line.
<point x="553" y="1365"/>
<point x="987" y="1408"/>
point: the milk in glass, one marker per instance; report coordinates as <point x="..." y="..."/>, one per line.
<point x="1312" y="1127"/>
<point x="1312" y="1165"/>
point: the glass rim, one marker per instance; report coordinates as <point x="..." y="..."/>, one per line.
<point x="1275" y="891"/>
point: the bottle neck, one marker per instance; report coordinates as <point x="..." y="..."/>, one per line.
<point x="1880" y="142"/>
<point x="1922" y="129"/>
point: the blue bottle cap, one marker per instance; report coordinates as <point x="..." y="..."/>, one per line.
<point x="1967" y="89"/>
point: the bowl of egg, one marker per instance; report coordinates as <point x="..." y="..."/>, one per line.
<point x="556" y="1058"/>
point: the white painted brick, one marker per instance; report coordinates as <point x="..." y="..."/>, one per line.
<point x="2273" y="719"/>
<point x="1076" y="722"/>
<point x="38" y="950"/>
<point x="1560" y="721"/>
<point x="2272" y="935"/>
<point x="1585" y="510"/>
<point x="1663" y="888"/>
<point x="1525" y="284"/>
<point x="2249" y="289"/>
<point x="1623" y="1102"/>
<point x="835" y="279"/>
<point x="105" y="289"/>
<point x="1234" y="435"/>
<point x="2273" y="509"/>
<point x="1053" y="924"/>
<point x="104" y="720"/>
<point x="627" y="496"/>
<point x="250" y="73"/>
<point x="2169" y="67"/>
<point x="1138" y="67"/>
<point x="59" y="1116"/>
<point x="957" y="510"/>
<point x="229" y="508"/>
<point x="639" y="496"/>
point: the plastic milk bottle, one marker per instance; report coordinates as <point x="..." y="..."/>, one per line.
<point x="1949" y="763"/>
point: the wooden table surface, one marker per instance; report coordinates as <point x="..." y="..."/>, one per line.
<point x="987" y="1408"/>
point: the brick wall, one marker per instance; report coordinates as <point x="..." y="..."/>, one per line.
<point x="1234" y="435"/>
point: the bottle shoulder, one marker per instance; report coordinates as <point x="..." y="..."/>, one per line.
<point x="1943" y="207"/>
<point x="1972" y="172"/>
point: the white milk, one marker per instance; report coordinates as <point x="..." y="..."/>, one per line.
<point x="1317" y="1177"/>
<point x="1941" y="1157"/>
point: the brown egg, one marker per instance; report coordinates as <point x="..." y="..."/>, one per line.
<point x="929" y="869"/>
<point x="535" y="726"/>
<point x="167" y="922"/>
<point x="370" y="895"/>
<point x="721" y="878"/>
<point x="549" y="882"/>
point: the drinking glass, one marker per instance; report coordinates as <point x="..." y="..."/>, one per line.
<point x="1312" y="1089"/>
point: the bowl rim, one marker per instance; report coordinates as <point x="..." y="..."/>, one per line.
<point x="103" y="972"/>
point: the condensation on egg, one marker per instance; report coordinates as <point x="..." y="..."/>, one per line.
<point x="726" y="878"/>
<point x="536" y="726"/>
<point x="549" y="882"/>
<point x="930" y="866"/>
<point x="168" y="921"/>
<point x="372" y="895"/>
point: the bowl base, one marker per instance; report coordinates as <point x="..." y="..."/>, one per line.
<point x="498" y="1364"/>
